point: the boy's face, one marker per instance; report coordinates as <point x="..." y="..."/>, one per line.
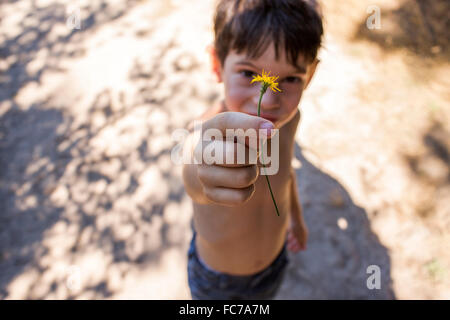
<point x="242" y="96"/>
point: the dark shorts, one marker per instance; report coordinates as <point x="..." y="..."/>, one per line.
<point x="208" y="284"/>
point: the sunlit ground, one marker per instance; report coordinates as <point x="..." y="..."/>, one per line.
<point x="92" y="207"/>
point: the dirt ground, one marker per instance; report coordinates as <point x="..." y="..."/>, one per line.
<point x="91" y="206"/>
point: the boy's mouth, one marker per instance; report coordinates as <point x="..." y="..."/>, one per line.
<point x="265" y="116"/>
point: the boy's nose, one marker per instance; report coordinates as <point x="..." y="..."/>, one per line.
<point x="269" y="101"/>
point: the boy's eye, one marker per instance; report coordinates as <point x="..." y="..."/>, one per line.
<point x="247" y="73"/>
<point x="293" y="80"/>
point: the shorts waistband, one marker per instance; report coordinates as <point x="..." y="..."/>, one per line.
<point x="193" y="253"/>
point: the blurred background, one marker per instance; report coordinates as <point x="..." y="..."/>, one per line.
<point x="92" y="207"/>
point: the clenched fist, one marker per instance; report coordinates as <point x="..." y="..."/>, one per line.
<point x="228" y="176"/>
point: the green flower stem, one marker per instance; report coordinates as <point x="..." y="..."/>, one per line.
<point x="263" y="90"/>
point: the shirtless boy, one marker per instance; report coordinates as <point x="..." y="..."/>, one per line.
<point x="238" y="249"/>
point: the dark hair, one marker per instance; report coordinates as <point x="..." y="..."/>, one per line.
<point x="251" y="25"/>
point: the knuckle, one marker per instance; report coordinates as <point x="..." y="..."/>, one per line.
<point x="245" y="194"/>
<point x="229" y="151"/>
<point x="240" y="197"/>
<point x="209" y="193"/>
<point x="198" y="152"/>
<point x="203" y="173"/>
<point x="245" y="176"/>
<point x="254" y="171"/>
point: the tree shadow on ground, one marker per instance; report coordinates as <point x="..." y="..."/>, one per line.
<point x="64" y="200"/>
<point x="39" y="39"/>
<point x="431" y="169"/>
<point x="36" y="156"/>
<point x="50" y="175"/>
<point x="421" y="27"/>
<point x="341" y="244"/>
<point x="58" y="191"/>
<point x="29" y="166"/>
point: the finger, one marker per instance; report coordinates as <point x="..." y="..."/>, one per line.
<point x="293" y="243"/>
<point x="293" y="249"/>
<point x="292" y="238"/>
<point x="233" y="121"/>
<point x="229" y="196"/>
<point x="217" y="176"/>
<point x="226" y="153"/>
<point x="236" y="154"/>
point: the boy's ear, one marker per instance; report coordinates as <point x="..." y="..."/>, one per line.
<point x="216" y="67"/>
<point x="311" y="71"/>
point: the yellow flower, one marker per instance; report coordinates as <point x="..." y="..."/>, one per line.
<point x="267" y="81"/>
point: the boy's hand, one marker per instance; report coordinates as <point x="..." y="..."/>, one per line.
<point x="230" y="184"/>
<point x="297" y="234"/>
